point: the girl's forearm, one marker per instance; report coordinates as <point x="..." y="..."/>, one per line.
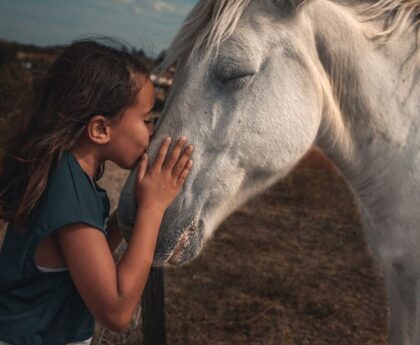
<point x="134" y="267"/>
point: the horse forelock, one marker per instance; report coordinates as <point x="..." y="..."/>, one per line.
<point x="209" y="23"/>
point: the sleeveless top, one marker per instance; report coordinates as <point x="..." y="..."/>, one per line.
<point x="45" y="308"/>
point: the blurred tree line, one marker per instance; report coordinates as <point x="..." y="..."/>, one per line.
<point x="21" y="66"/>
<point x="15" y="80"/>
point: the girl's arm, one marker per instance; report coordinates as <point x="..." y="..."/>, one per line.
<point x="113" y="292"/>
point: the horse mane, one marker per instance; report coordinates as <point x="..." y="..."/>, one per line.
<point x="397" y="15"/>
<point x="208" y="24"/>
<point x="212" y="21"/>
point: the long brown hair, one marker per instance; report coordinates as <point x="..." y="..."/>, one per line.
<point x="90" y="77"/>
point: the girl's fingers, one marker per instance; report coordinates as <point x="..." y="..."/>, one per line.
<point x="180" y="165"/>
<point x="160" y="158"/>
<point x="142" y="167"/>
<point x="169" y="165"/>
<point x="184" y="173"/>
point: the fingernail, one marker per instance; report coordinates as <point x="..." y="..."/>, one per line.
<point x="168" y="139"/>
<point x="144" y="156"/>
<point x="183" y="138"/>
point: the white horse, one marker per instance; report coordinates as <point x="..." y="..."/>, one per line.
<point x="258" y="82"/>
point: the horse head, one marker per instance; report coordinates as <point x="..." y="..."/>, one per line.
<point x="245" y="95"/>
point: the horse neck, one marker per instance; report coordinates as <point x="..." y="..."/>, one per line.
<point x="370" y="121"/>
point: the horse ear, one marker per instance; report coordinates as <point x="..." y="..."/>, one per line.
<point x="289" y="6"/>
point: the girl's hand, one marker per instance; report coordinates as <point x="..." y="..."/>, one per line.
<point x="158" y="187"/>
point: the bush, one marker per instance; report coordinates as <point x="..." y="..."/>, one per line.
<point x="15" y="82"/>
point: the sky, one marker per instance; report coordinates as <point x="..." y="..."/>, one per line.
<point x="145" y="24"/>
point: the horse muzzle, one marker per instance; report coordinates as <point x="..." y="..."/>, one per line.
<point x="187" y="246"/>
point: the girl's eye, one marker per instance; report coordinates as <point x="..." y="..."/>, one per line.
<point x="151" y="121"/>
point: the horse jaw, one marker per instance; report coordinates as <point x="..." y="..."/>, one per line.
<point x="191" y="226"/>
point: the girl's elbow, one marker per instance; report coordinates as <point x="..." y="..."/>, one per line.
<point x="114" y="318"/>
<point x="114" y="314"/>
<point x="120" y="326"/>
<point x="116" y="323"/>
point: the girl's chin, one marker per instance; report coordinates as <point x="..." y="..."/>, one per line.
<point x="133" y="165"/>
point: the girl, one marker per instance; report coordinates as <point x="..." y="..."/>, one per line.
<point x="56" y="268"/>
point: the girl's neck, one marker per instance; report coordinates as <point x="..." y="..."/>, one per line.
<point x="87" y="159"/>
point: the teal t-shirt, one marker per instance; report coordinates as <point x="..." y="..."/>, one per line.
<point x="38" y="308"/>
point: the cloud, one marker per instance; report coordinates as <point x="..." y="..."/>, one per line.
<point x="125" y="1"/>
<point x="137" y="9"/>
<point x="162" y="6"/>
<point x="140" y="7"/>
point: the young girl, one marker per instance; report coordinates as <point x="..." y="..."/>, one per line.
<point x="56" y="268"/>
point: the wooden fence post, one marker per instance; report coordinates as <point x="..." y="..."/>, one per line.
<point x="153" y="309"/>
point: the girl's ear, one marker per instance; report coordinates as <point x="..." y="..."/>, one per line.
<point x="288" y="7"/>
<point x="98" y="129"/>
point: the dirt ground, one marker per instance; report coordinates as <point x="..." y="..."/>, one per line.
<point x="290" y="267"/>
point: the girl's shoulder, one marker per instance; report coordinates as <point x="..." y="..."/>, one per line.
<point x="71" y="196"/>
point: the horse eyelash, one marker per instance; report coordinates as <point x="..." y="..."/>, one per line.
<point x="238" y="81"/>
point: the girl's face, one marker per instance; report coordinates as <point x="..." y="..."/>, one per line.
<point x="130" y="133"/>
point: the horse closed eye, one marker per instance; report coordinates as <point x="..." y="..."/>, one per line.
<point x="237" y="81"/>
